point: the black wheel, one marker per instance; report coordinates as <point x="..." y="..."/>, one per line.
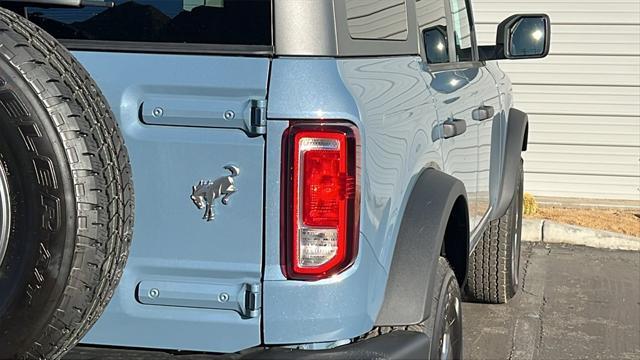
<point x="66" y="197"/>
<point x="494" y="265"/>
<point x="444" y="325"/>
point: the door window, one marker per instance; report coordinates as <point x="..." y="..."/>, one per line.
<point x="462" y="30"/>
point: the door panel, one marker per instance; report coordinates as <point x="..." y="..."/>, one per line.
<point x="468" y="156"/>
<point x="457" y="95"/>
<point x="172" y="294"/>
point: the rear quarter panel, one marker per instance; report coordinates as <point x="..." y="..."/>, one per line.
<point x="388" y="100"/>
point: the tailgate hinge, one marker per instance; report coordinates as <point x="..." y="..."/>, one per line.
<point x="258" y="117"/>
<point x="252" y="301"/>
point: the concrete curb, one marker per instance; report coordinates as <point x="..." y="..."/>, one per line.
<point x="552" y="232"/>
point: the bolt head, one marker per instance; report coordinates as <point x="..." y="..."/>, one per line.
<point x="154" y="293"/>
<point x="223" y="297"/>
<point x="229" y="115"/>
<point x="158" y="112"/>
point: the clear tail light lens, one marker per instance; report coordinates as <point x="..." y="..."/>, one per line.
<point x="321" y="199"/>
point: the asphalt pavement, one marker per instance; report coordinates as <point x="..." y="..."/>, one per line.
<point x="575" y="303"/>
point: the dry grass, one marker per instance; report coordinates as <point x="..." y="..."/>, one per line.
<point x="530" y="204"/>
<point x="620" y="221"/>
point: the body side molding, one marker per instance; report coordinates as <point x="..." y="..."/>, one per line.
<point x="418" y="247"/>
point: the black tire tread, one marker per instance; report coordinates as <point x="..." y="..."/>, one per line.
<point x="100" y="166"/>
<point x="488" y="265"/>
<point x="489" y="273"/>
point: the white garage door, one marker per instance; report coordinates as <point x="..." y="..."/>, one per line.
<point x="583" y="100"/>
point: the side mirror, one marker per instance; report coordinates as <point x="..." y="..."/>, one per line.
<point x="523" y="36"/>
<point x="436" y="44"/>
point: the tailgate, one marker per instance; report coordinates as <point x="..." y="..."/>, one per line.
<point x="189" y="283"/>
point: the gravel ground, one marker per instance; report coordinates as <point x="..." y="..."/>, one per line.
<point x="623" y="221"/>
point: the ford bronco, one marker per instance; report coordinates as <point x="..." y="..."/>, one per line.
<point x="313" y="178"/>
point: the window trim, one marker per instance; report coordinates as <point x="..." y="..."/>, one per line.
<point x="167" y="48"/>
<point x="451" y="35"/>
<point x="472" y="27"/>
<point x="460" y="65"/>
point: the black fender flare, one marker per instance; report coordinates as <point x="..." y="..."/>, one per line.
<point x="418" y="246"/>
<point x="516" y="142"/>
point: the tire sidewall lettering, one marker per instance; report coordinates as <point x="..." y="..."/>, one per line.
<point x="46" y="178"/>
<point x="63" y="149"/>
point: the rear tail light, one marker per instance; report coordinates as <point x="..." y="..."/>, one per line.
<point x="321" y="199"/>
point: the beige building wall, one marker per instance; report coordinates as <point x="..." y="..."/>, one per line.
<point x="583" y="100"/>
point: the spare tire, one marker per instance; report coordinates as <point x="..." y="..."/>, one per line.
<point x="66" y="196"/>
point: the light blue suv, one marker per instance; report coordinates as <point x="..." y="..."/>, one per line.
<point x="313" y="178"/>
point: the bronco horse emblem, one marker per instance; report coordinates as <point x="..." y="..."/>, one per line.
<point x="206" y="192"/>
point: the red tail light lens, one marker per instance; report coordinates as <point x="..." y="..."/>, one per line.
<point x="321" y="199"/>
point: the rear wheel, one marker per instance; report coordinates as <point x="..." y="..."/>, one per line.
<point x="494" y="266"/>
<point x="66" y="197"/>
<point x="444" y="325"/>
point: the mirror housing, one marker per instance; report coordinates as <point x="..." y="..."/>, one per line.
<point x="522" y="36"/>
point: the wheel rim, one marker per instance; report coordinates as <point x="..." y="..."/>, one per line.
<point x="5" y="212"/>
<point x="450" y="344"/>
<point x="517" y="234"/>
<point x="515" y="254"/>
<point x="445" y="352"/>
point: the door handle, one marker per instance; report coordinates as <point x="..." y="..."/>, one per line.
<point x="448" y="129"/>
<point x="482" y="113"/>
<point x="453" y="127"/>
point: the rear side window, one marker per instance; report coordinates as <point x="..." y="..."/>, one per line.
<point x="377" y="19"/>
<point x="237" y="22"/>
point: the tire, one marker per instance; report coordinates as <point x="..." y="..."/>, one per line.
<point x="494" y="265"/>
<point x="444" y="325"/>
<point x="66" y="181"/>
